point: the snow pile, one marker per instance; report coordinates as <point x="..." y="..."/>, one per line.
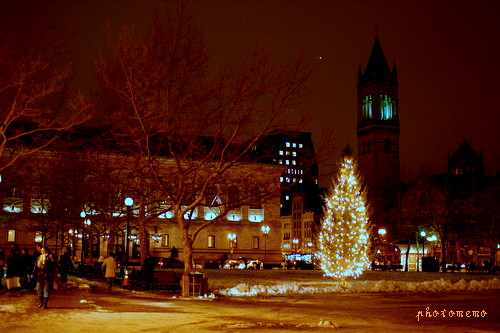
<point x="381" y="286"/>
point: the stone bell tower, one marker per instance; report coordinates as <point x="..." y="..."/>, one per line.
<point x="378" y="133"/>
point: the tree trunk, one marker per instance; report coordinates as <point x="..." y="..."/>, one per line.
<point x="187" y="246"/>
<point x="407" y="256"/>
<point x="443" y="257"/>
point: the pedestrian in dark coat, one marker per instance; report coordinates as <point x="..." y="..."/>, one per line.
<point x="26" y="269"/>
<point x="45" y="271"/>
<point x="148" y="269"/>
<point x="13" y="268"/>
<point x="65" y="266"/>
<point x="174" y="253"/>
<point x="2" y="265"/>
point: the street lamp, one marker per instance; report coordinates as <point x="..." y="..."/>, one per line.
<point x="83" y="215"/>
<point x="423" y="234"/>
<point x="232" y="239"/>
<point x="265" y="231"/>
<point x="128" y="202"/>
<point x="295" y="241"/>
<point x="382" y="233"/>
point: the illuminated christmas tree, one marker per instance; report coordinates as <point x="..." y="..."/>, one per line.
<point x="344" y="238"/>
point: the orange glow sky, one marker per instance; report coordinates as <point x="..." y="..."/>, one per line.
<point x="447" y="54"/>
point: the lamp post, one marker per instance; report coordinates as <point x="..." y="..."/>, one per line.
<point x="232" y="239"/>
<point x="128" y="202"/>
<point x="295" y="241"/>
<point x="382" y="233"/>
<point x="265" y="231"/>
<point x="82" y="254"/>
<point x="423" y="234"/>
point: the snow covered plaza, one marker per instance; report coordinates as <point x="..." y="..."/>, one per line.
<point x="270" y="300"/>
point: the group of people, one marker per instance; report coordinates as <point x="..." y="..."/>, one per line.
<point x="38" y="271"/>
<point x="16" y="267"/>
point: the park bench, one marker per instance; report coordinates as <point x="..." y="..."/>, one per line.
<point x="166" y="280"/>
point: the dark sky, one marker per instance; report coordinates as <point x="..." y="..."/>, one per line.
<point x="447" y="54"/>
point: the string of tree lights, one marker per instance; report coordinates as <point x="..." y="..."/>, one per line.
<point x="344" y="237"/>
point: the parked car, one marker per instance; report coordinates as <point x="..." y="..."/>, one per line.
<point x="299" y="264"/>
<point x="243" y="263"/>
<point x="163" y="263"/>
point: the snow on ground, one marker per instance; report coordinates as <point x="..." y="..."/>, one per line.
<point x="280" y="283"/>
<point x="313" y="282"/>
<point x="382" y="286"/>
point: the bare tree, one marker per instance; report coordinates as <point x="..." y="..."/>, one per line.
<point x="489" y="212"/>
<point x="190" y="127"/>
<point x="426" y="205"/>
<point x="33" y="90"/>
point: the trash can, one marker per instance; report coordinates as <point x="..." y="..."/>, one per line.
<point x="430" y="264"/>
<point x="194" y="284"/>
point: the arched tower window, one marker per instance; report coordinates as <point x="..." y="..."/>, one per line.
<point x="255" y="197"/>
<point x="234" y="197"/>
<point x="385" y="107"/>
<point x="367" y="107"/>
<point x="211" y="196"/>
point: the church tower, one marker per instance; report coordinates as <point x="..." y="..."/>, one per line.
<point x="378" y="133"/>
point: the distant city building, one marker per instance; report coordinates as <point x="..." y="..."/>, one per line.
<point x="466" y="195"/>
<point x="300" y="203"/>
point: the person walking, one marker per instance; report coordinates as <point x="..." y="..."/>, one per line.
<point x="26" y="269"/>
<point x="148" y="270"/>
<point x="109" y="267"/>
<point x="13" y="268"/>
<point x="65" y="266"/>
<point x="34" y="258"/>
<point x="44" y="271"/>
<point x="2" y="266"/>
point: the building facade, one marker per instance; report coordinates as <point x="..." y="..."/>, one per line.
<point x="47" y="200"/>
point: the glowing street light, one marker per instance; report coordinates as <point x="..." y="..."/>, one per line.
<point x="129" y="202"/>
<point x="83" y="215"/>
<point x="382" y="233"/>
<point x="265" y="231"/>
<point x="232" y="241"/>
<point x="295" y="242"/>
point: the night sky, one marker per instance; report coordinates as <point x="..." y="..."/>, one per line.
<point x="447" y="54"/>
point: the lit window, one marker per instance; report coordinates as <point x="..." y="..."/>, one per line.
<point x="211" y="241"/>
<point x="294" y="162"/>
<point x="38" y="237"/>
<point x="385" y="107"/>
<point x="281" y="162"/>
<point x="294" y="153"/>
<point x="300" y="145"/>
<point x="287" y="197"/>
<point x="281" y="152"/>
<point x="294" y="145"/>
<point x="11" y="236"/>
<point x="287" y="152"/>
<point x="281" y="179"/>
<point x="288" y="144"/>
<point x="287" y="162"/>
<point x="165" y="240"/>
<point x="367" y="107"/>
